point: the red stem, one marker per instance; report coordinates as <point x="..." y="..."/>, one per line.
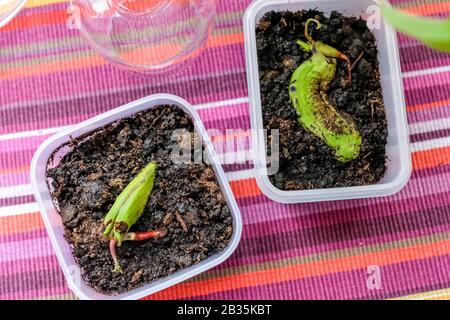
<point x="349" y="65"/>
<point x="142" y="236"/>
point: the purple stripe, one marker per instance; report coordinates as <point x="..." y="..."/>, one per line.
<point x="408" y="277"/>
<point x="15" y="201"/>
<point x="419" y="57"/>
<point x="237" y="167"/>
<point x="43" y="279"/>
<point x="23" y="236"/>
<point x="14" y="159"/>
<point x="427" y="94"/>
<point x="429" y="114"/>
<point x="430" y="135"/>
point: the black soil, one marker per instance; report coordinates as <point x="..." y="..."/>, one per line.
<point x="187" y="201"/>
<point x="305" y="161"/>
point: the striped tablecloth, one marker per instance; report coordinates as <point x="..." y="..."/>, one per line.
<point x="50" y="79"/>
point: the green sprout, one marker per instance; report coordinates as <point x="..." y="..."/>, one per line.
<point x="308" y="93"/>
<point x="126" y="211"/>
<point x="434" y="33"/>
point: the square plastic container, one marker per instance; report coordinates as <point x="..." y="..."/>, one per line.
<point x="398" y="149"/>
<point x="53" y="221"/>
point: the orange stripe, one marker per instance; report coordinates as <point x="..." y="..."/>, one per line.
<point x="245" y="188"/>
<point x="306" y="270"/>
<point x="57" y="16"/>
<point x="95" y="60"/>
<point x="36" y="20"/>
<point x="228" y="137"/>
<point x="429" y="105"/>
<point x="429" y="9"/>
<point x="21" y="223"/>
<point x="15" y="170"/>
<point x="431" y="158"/>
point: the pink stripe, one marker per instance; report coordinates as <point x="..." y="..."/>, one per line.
<point x="440" y="112"/>
<point x="21" y="144"/>
<point x="425" y="81"/>
<point x="16" y="159"/>
<point x="421" y="57"/>
<point x="34" y="264"/>
<point x="14" y="179"/>
<point x="226" y="112"/>
<point x="23" y="250"/>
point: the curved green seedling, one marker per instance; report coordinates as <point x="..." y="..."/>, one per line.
<point x="126" y="211"/>
<point x="308" y="92"/>
<point x="434" y="33"/>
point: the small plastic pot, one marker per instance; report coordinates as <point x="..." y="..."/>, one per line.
<point x="53" y="221"/>
<point x="398" y="148"/>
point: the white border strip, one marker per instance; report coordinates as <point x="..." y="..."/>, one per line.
<point x="426" y="72"/>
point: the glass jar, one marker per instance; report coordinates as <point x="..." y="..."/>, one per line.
<point x="145" y="35"/>
<point x="8" y="9"/>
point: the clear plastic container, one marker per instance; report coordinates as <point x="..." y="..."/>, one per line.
<point x="9" y="9"/>
<point x="398" y="149"/>
<point x="53" y="222"/>
<point x="152" y="36"/>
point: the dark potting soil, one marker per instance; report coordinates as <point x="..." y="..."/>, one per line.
<point x="186" y="201"/>
<point x="306" y="162"/>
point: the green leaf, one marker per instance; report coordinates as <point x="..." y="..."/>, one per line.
<point x="434" y="33"/>
<point x="130" y="204"/>
<point x="305" y="46"/>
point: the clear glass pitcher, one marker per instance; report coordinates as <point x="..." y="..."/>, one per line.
<point x="8" y="9"/>
<point x="145" y="35"/>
